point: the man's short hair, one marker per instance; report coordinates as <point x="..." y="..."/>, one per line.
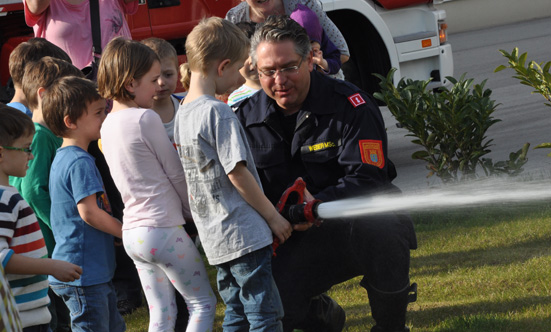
<point x="247" y="27"/>
<point x="30" y="51"/>
<point x="280" y="28"/>
<point x="69" y="96"/>
<point x="43" y="73"/>
<point x="122" y="61"/>
<point x="164" y="49"/>
<point x="13" y="125"/>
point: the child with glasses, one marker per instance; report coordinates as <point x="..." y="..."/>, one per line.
<point x="234" y="218"/>
<point x="22" y="248"/>
<point x="38" y="75"/>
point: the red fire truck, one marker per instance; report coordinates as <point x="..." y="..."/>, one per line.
<point x="409" y="35"/>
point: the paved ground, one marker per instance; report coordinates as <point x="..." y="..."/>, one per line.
<point x="524" y="116"/>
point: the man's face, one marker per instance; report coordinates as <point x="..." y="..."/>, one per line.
<point x="290" y="87"/>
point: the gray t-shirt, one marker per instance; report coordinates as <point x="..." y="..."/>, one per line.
<point x="210" y="142"/>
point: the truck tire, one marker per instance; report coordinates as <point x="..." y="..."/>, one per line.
<point x="7" y="92"/>
<point x="368" y="53"/>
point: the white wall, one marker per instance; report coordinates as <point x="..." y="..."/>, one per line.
<point x="465" y="15"/>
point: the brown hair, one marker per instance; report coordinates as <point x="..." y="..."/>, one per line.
<point x="13" y="125"/>
<point x="162" y="48"/>
<point x="213" y="39"/>
<point x="122" y="61"/>
<point x="30" y="51"/>
<point x="69" y="96"/>
<point x="43" y="73"/>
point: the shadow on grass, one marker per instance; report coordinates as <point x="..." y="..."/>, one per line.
<point x="483" y="316"/>
<point x="502" y="255"/>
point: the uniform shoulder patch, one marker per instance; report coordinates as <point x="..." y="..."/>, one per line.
<point x="372" y="152"/>
<point x="356" y="100"/>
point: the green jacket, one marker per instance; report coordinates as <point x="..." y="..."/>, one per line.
<point x="34" y="186"/>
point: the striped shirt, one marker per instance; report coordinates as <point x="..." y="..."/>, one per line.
<point x="20" y="234"/>
<point x="241" y="93"/>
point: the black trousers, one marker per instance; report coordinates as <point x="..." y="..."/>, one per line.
<point x="311" y="262"/>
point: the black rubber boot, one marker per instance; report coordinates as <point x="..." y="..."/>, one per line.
<point x="324" y="315"/>
<point x="389" y="309"/>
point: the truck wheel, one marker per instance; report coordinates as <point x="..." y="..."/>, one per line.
<point x="368" y="53"/>
<point x="7" y="92"/>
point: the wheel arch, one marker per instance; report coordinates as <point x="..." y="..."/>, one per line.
<point x="369" y="40"/>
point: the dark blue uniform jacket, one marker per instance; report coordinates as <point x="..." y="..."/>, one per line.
<point x="339" y="146"/>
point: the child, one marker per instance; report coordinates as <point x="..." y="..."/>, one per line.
<point x="165" y="103"/>
<point x="150" y="178"/>
<point x="82" y="227"/>
<point x="38" y="76"/>
<point x="249" y="72"/>
<point x="327" y="56"/>
<point x="22" y="249"/>
<point x="27" y="52"/>
<point x="232" y="214"/>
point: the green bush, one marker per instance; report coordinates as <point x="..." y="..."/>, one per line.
<point x="450" y="125"/>
<point x="532" y="74"/>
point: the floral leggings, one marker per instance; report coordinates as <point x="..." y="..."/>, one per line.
<point x="166" y="259"/>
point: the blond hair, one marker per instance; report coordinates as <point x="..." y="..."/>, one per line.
<point x="213" y="39"/>
<point x="164" y="49"/>
<point x="122" y="61"/>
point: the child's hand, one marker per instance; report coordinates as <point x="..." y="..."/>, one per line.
<point x="65" y="271"/>
<point x="280" y="227"/>
<point x="319" y="60"/>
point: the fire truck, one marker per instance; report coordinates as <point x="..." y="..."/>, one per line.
<point x="409" y="35"/>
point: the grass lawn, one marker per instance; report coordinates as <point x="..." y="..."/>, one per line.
<point x="478" y="270"/>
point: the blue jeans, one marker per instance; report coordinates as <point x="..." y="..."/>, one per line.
<point x="93" y="308"/>
<point x="248" y="289"/>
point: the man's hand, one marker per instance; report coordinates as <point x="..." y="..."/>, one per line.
<point x="302" y="226"/>
<point x="65" y="271"/>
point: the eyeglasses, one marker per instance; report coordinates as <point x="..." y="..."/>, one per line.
<point x="283" y="71"/>
<point x="26" y="150"/>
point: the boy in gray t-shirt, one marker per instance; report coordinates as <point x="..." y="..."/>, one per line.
<point x="234" y="218"/>
<point x="211" y="143"/>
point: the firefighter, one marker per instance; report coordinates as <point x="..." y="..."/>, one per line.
<point x="331" y="134"/>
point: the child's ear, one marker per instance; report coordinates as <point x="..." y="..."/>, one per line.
<point x="40" y="94"/>
<point x="222" y="66"/>
<point x="68" y="123"/>
<point x="130" y="86"/>
<point x="310" y="60"/>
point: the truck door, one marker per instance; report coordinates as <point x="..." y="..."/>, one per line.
<point x="173" y="19"/>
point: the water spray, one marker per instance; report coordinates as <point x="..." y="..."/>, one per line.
<point x="484" y="192"/>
